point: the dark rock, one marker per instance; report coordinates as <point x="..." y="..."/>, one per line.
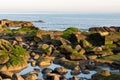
<point x="85" y="71"/>
<point x="30" y="76"/>
<point x="66" y="63"/>
<point x="37" y="70"/>
<point x="46" y="70"/>
<point x="74" y="78"/>
<point x="6" y="74"/>
<point x="17" y="77"/>
<point x="52" y="76"/>
<point x="60" y="70"/>
<point x="40" y="21"/>
<point x="75" y="71"/>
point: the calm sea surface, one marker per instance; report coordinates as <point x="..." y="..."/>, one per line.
<point x="63" y="21"/>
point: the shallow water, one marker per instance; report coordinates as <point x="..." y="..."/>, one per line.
<point x="53" y="66"/>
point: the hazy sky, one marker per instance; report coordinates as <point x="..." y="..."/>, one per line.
<point x="84" y="6"/>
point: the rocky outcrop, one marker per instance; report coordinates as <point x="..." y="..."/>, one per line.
<point x="105" y="29"/>
<point x="10" y="23"/>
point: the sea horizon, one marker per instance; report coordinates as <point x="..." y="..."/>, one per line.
<point x="62" y="21"/>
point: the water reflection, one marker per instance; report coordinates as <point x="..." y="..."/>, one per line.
<point x="53" y="66"/>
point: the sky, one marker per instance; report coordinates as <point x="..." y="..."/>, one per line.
<point x="83" y="6"/>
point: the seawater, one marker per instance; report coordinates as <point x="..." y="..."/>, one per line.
<point x="62" y="21"/>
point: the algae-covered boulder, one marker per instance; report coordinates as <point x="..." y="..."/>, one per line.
<point x="66" y="49"/>
<point x="77" y="56"/>
<point x="85" y="44"/>
<point x="67" y="33"/>
<point x="12" y="58"/>
<point x="44" y="36"/>
<point x="45" y="48"/>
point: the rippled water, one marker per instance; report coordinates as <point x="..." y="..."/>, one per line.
<point x="63" y="21"/>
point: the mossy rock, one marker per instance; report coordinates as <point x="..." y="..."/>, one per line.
<point x="75" y="55"/>
<point x="45" y="48"/>
<point x="12" y="58"/>
<point x="85" y="44"/>
<point x="5" y="45"/>
<point x="66" y="49"/>
<point x="67" y="33"/>
<point x="29" y="32"/>
<point x="3" y="57"/>
<point x="111" y="46"/>
<point x="111" y="58"/>
<point x="115" y="36"/>
<point x="104" y="52"/>
<point x="7" y="31"/>
<point x="108" y="41"/>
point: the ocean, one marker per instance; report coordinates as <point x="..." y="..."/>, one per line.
<point x="62" y="21"/>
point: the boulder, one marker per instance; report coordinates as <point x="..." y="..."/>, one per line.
<point x="33" y="63"/>
<point x="77" y="57"/>
<point x="30" y="76"/>
<point x="92" y="57"/>
<point x="44" y="61"/>
<point x="53" y="76"/>
<point x="75" y="37"/>
<point x="45" y="36"/>
<point x="36" y="56"/>
<point x="46" y="70"/>
<point x="66" y="63"/>
<point x="6" y="74"/>
<point x="37" y="70"/>
<point x="97" y="49"/>
<point x="19" y="38"/>
<point x="62" y="41"/>
<point x="47" y="49"/>
<point x="86" y="71"/>
<point x="16" y="55"/>
<point x="17" y="77"/>
<point x="78" y="47"/>
<point x="85" y="44"/>
<point x="74" y="78"/>
<point x="60" y="70"/>
<point x="75" y="71"/>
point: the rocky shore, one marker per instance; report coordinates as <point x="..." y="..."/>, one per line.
<point x="79" y="51"/>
